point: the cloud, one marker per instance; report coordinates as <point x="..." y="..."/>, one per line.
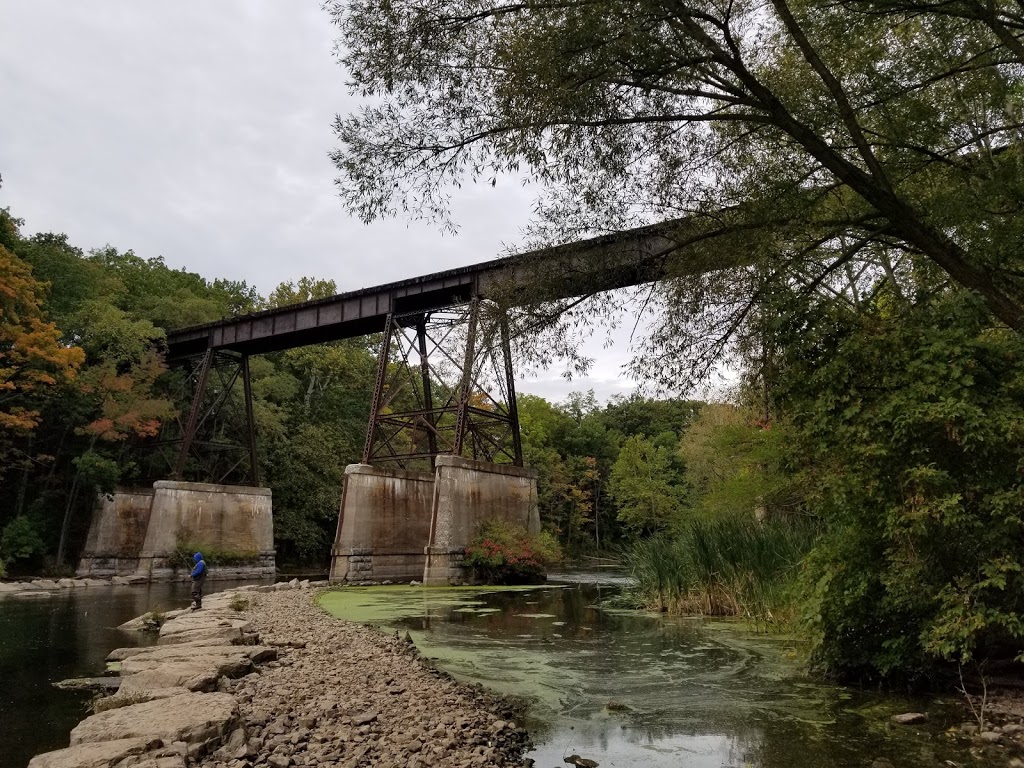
<point x="200" y="132"/>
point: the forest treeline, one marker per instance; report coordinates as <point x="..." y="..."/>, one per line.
<point x="865" y="484"/>
<point x="85" y="391"/>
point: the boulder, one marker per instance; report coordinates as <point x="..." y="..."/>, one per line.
<point x="910" y="718"/>
<point x="46" y="584"/>
<point x="9" y="587"/>
<point x="100" y="755"/>
<point x="119" y="581"/>
<point x="194" y="718"/>
<point x="66" y="583"/>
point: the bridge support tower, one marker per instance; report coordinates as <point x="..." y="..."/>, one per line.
<point x="442" y="455"/>
<point x="213" y="501"/>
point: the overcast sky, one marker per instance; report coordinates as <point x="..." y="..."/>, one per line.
<point x="199" y="131"/>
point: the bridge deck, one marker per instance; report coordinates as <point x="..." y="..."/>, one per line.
<point x="601" y="263"/>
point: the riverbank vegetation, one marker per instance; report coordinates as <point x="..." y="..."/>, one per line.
<point x="507" y="554"/>
<point x="732" y="566"/>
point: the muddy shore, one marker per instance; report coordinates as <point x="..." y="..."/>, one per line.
<point x="263" y="677"/>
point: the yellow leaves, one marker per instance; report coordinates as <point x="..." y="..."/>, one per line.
<point x="128" y="407"/>
<point x="33" y="358"/>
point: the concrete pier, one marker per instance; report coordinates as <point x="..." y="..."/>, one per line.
<point x="468" y="494"/>
<point x="400" y="525"/>
<point x="383" y="525"/>
<point x="137" y="532"/>
<point x="117" y="533"/>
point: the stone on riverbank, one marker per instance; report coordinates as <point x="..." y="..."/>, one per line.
<point x="194" y="718"/>
<point x="910" y="718"/>
<point x="343" y="695"/>
<point x="102" y="755"/>
<point x="191" y="677"/>
<point x="120" y="699"/>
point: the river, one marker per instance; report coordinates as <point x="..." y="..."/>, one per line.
<point x="50" y="638"/>
<point x="627" y="688"/>
<point x="620" y="687"/>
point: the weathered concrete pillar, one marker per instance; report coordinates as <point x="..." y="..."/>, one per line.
<point x="467" y="494"/>
<point x="383" y="525"/>
<point x="232" y="519"/>
<point x="117" y="533"/>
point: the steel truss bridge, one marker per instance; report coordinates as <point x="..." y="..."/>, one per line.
<point x="445" y="377"/>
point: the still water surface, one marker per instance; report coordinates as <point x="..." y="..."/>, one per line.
<point x="626" y="688"/>
<point x="620" y="687"/>
<point x="68" y="634"/>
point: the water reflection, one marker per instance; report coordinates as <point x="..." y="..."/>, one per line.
<point x="47" y="639"/>
<point x="631" y="689"/>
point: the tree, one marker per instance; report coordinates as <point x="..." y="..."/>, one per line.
<point x="641" y="483"/>
<point x="807" y="140"/>
<point x="308" y="288"/>
<point x="32" y="358"/>
<point x="738" y="465"/>
<point x="909" y="419"/>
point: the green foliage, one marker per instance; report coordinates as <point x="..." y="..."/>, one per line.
<point x="646" y="486"/>
<point x="98" y="472"/>
<point x="20" y="539"/>
<point x="738" y="464"/>
<point x="728" y="567"/>
<point x="239" y="604"/>
<point x="503" y="553"/>
<point x="574" y="447"/>
<point x="912" y="420"/>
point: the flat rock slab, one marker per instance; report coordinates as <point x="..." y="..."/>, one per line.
<point x="101" y="755"/>
<point x="229" y="662"/>
<point x="119" y="700"/>
<point x="202" y="620"/>
<point x="190" y="676"/>
<point x="200" y="648"/>
<point x="217" y="635"/>
<point x="88" y="684"/>
<point x="194" y="718"/>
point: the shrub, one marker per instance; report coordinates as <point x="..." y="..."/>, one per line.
<point x="239" y="604"/>
<point x="504" y="553"/>
<point x="20" y="540"/>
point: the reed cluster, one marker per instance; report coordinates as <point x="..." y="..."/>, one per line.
<point x="725" y="567"/>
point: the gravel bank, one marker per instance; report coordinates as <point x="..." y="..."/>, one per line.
<point x="354" y="697"/>
<point x="262" y="677"/>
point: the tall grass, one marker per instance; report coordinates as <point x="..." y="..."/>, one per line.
<point x="726" y="567"/>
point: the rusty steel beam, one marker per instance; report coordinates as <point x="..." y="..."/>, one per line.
<point x="618" y="260"/>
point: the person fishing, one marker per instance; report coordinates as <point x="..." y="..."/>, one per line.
<point x="198" y="577"/>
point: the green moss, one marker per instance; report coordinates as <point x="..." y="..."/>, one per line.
<point x="213" y="556"/>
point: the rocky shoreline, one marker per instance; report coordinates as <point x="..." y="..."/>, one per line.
<point x="43" y="587"/>
<point x="263" y="677"/>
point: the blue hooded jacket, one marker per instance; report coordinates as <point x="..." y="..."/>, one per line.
<point x="200" y="570"/>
